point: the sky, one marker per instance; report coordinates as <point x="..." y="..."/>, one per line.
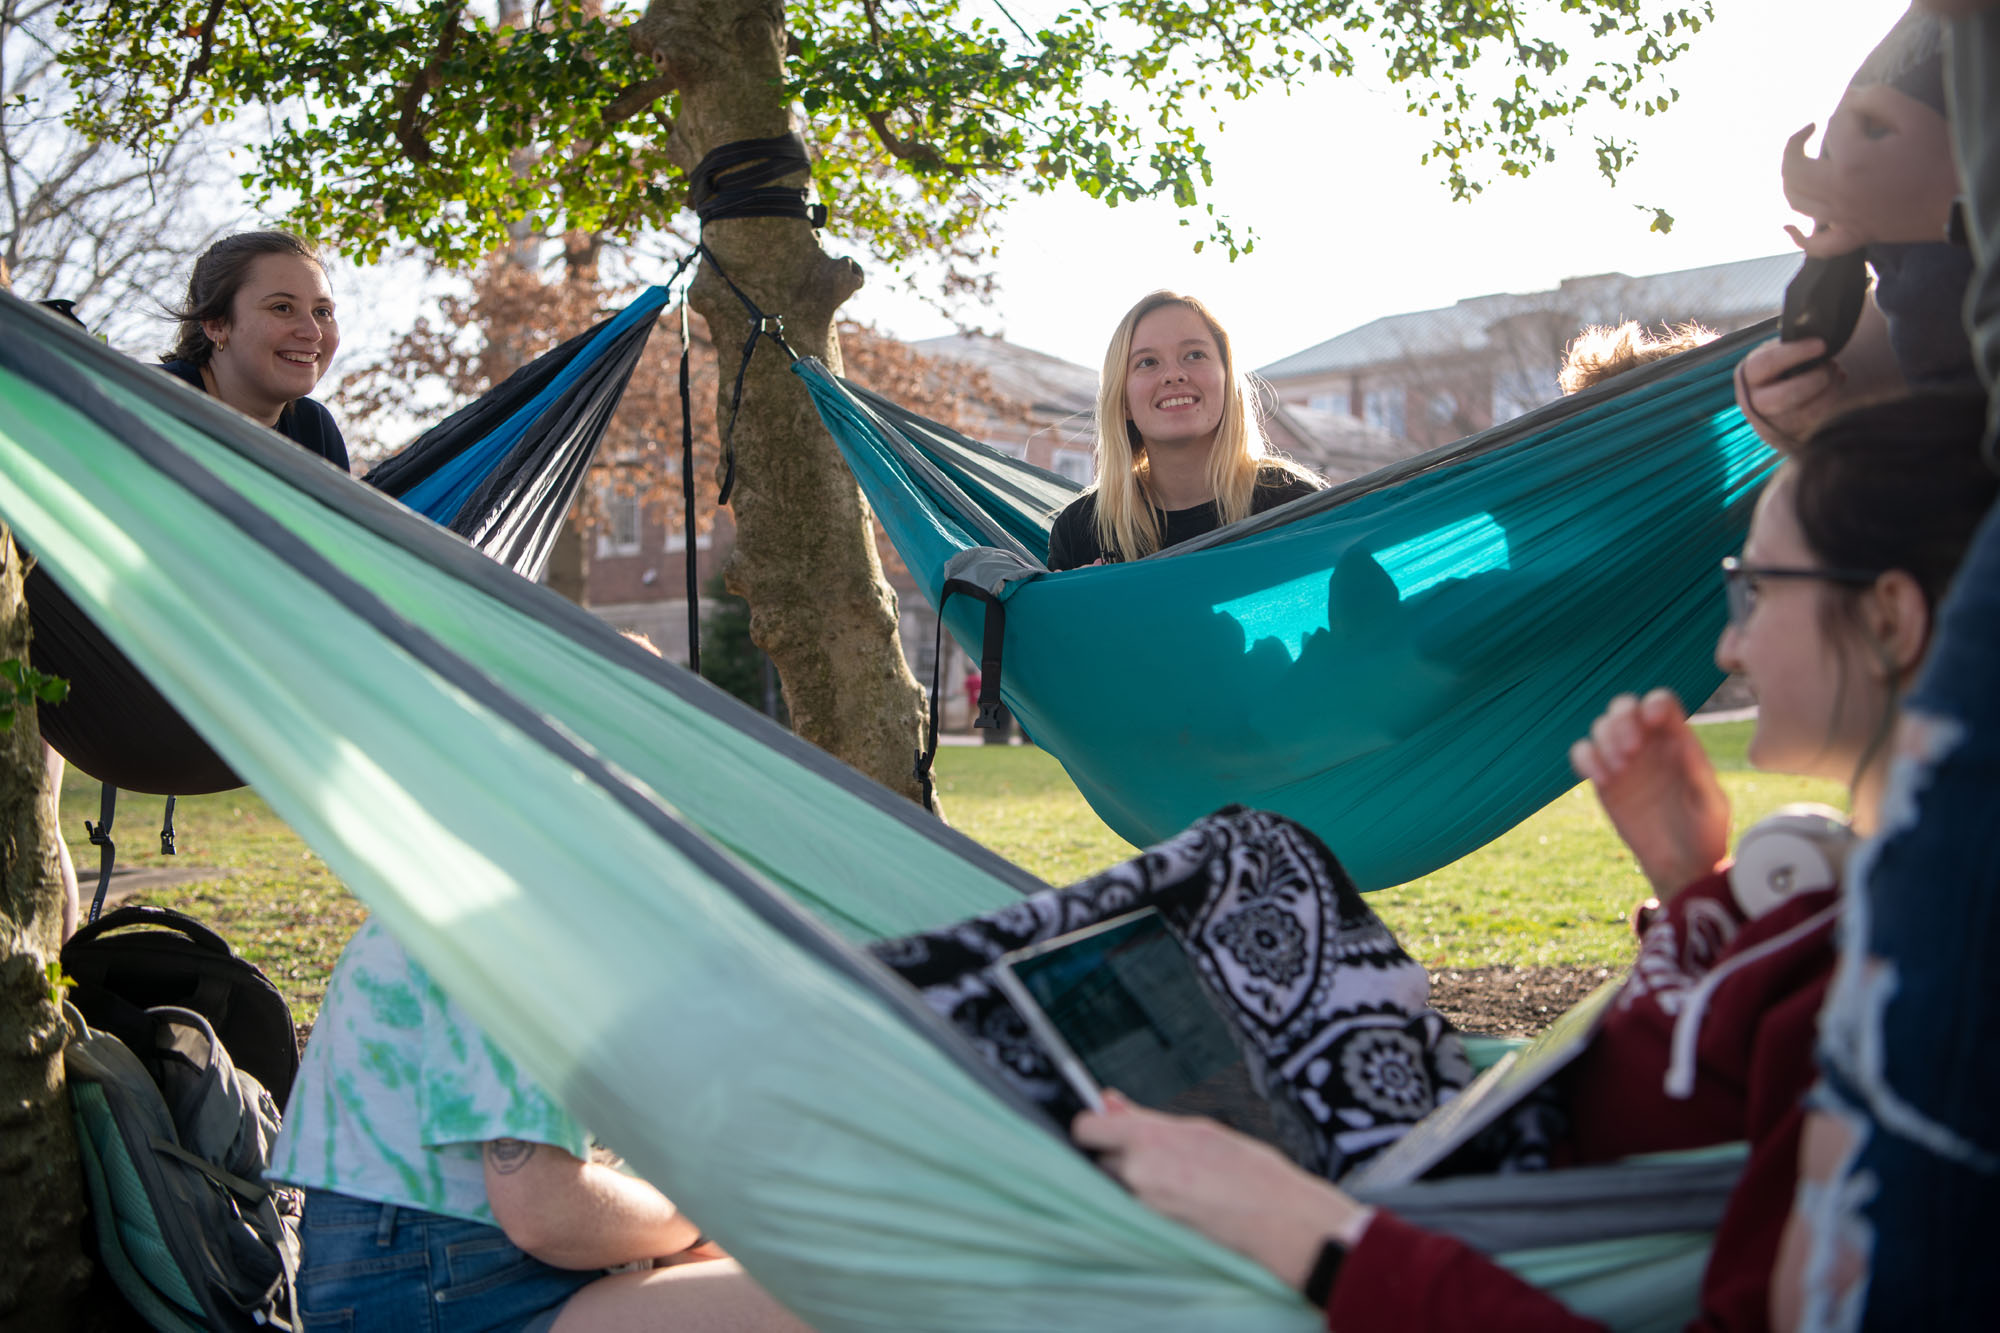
<point x="1351" y="226"/>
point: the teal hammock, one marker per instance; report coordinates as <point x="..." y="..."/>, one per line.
<point x="1399" y="663"/>
<point x="648" y="894"/>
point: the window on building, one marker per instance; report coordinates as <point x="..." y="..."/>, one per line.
<point x="1383" y="408"/>
<point x="677" y="539"/>
<point x="618" y="527"/>
<point x="1331" y="400"/>
<point x="1074" y="464"/>
<point x="1442" y="407"/>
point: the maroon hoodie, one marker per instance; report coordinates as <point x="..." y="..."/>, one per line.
<point x="1710" y="1041"/>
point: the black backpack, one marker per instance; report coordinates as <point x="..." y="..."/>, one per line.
<point x="135" y="959"/>
<point x="174" y="1141"/>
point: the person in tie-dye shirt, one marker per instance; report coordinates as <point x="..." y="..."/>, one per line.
<point x="446" y="1191"/>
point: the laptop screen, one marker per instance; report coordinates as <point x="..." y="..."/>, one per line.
<point x="1126" y="1000"/>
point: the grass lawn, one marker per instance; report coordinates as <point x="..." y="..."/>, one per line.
<point x="1553" y="892"/>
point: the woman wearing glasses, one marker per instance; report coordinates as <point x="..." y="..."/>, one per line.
<point x="1710" y="1040"/>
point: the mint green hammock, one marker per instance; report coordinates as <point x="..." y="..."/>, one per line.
<point x="1399" y="663"/>
<point x="649" y="894"/>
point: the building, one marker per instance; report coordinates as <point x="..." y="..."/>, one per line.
<point x="1432" y="376"/>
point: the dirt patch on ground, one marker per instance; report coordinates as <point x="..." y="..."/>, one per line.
<point x="1510" y="1001"/>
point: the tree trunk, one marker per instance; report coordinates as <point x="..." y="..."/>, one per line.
<point x="804" y="556"/>
<point x="569" y="560"/>
<point x="42" y="1269"/>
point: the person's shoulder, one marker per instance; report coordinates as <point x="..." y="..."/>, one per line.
<point x="308" y="423"/>
<point x="187" y="372"/>
<point x="1073" y="534"/>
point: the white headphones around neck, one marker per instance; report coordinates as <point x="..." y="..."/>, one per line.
<point x="1799" y="849"/>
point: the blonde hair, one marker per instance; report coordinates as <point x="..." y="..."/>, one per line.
<point x="1126" y="508"/>
<point x="1601" y="351"/>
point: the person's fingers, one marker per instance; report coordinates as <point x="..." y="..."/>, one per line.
<point x="1797" y="171"/>
<point x="1614" y="735"/>
<point x="1101" y="1131"/>
<point x="1828" y="240"/>
<point x="1584" y="762"/>
<point x="1768" y="363"/>
<point x="1661" y="708"/>
<point x="1788" y="398"/>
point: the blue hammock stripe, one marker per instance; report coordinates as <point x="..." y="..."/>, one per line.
<point x="1401" y="662"/>
<point x="443" y="495"/>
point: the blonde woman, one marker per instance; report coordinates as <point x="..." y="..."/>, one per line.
<point x="1178" y="452"/>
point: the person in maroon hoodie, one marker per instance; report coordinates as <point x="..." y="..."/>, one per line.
<point x="1711" y="1038"/>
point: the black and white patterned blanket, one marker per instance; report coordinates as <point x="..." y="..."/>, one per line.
<point x="1332" y="1015"/>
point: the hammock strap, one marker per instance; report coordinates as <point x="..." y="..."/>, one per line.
<point x="167" y="830"/>
<point x="990" y="707"/>
<point x="751" y="166"/>
<point x="100" y="837"/>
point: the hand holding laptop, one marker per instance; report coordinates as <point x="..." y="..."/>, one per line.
<point x="1237" y="1191"/>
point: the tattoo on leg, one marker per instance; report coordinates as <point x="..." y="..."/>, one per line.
<point x="509" y="1155"/>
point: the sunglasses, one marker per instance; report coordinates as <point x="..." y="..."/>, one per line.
<point x="1739" y="582"/>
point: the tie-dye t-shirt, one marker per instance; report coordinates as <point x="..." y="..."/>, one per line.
<point x="399" y="1088"/>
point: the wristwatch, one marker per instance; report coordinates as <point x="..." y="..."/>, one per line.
<point x="1319" y="1283"/>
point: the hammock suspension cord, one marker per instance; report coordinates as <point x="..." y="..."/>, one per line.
<point x="990" y="641"/>
<point x="751" y="166"/>
<point x="100" y="837"/>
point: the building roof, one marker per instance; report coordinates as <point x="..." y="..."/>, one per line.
<point x="1043" y="383"/>
<point x="1735" y="294"/>
<point x="1334" y="444"/>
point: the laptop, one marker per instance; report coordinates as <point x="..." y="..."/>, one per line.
<point x="1120" y="1005"/>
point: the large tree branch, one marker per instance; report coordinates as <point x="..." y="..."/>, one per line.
<point x="201" y="62"/>
<point x="917" y="151"/>
<point x="631" y="100"/>
<point x="409" y="130"/>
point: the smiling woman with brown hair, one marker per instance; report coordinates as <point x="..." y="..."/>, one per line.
<point x="1178" y="451"/>
<point x="257" y="331"/>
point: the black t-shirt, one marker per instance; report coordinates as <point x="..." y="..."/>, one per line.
<point x="303" y="422"/>
<point x="1073" y="536"/>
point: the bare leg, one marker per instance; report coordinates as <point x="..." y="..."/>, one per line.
<point x="52" y="765"/>
<point x="714" y="1297"/>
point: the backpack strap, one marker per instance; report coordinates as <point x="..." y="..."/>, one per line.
<point x="100" y="836"/>
<point x="144" y="914"/>
<point x="249" y="1191"/>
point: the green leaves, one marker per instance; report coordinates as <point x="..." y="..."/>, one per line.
<point x="421" y="122"/>
<point x="21" y="686"/>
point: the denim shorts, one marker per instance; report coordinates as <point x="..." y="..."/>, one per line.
<point x="376" y="1268"/>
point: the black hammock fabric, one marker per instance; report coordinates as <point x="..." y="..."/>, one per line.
<point x="502" y="472"/>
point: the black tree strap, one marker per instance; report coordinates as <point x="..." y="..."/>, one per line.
<point x="751" y="166"/>
<point x="992" y="637"/>
<point x="167" y="829"/>
<point x="734" y="181"/>
<point x="100" y="837"/>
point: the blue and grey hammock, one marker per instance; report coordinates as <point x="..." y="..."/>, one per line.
<point x="500" y="777"/>
<point x="1399" y="663"/>
<point x="502" y="472"/>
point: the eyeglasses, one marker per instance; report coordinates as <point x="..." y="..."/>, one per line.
<point x="1739" y="581"/>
